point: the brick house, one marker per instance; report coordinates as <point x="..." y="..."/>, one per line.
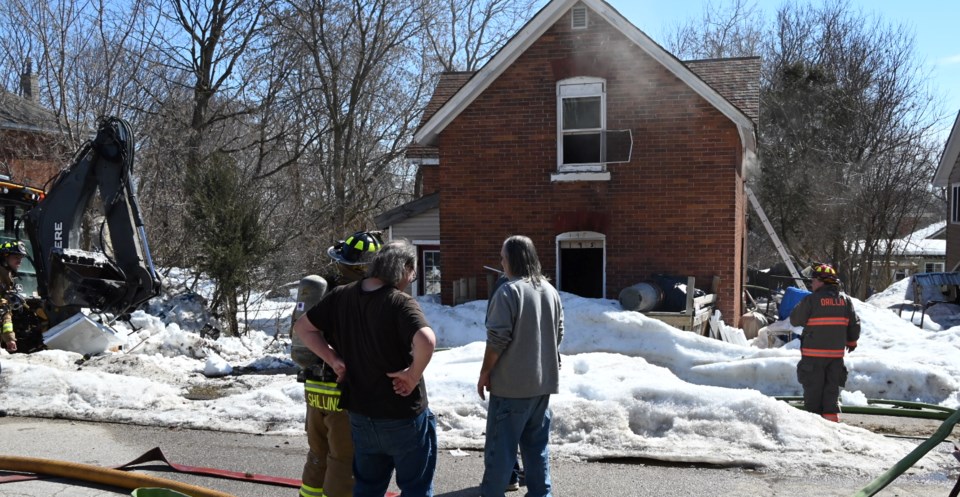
<point x="619" y="161"/>
<point x="948" y="177"/>
<point x="31" y="150"/>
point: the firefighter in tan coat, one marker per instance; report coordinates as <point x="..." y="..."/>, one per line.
<point x="11" y="255"/>
<point x="328" y="471"/>
<point x="830" y="325"/>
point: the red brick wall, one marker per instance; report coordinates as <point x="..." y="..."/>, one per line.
<point x="28" y="158"/>
<point x="677" y="207"/>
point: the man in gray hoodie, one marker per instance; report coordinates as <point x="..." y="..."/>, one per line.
<point x="521" y="368"/>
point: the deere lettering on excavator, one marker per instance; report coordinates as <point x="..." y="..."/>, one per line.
<point x="66" y="276"/>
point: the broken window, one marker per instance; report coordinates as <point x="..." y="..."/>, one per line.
<point x="582" y="119"/>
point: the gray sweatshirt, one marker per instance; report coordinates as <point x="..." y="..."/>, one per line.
<point x="525" y="325"/>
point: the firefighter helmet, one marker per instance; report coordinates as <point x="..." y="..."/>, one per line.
<point x="17" y="247"/>
<point x="826" y="273"/>
<point x="356" y="249"/>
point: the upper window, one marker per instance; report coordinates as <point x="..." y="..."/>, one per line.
<point x="955" y="203"/>
<point x="582" y="114"/>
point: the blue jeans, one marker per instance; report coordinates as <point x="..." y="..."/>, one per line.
<point x="382" y="445"/>
<point x="512" y="422"/>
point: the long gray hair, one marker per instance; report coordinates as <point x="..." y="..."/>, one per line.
<point x="522" y="259"/>
<point x="392" y="261"/>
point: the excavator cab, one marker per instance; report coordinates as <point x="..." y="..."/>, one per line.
<point x="15" y="201"/>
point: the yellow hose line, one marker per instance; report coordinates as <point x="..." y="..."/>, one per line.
<point x="105" y="476"/>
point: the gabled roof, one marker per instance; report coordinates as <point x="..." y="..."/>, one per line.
<point x="950" y="157"/>
<point x="925" y="242"/>
<point x="533" y="30"/>
<point x="736" y="79"/>
<point x="407" y="210"/>
<point x="449" y="84"/>
<point x="21" y="114"/>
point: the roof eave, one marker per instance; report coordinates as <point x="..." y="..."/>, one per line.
<point x="951" y="151"/>
<point x="550" y="14"/>
<point x="527" y="36"/>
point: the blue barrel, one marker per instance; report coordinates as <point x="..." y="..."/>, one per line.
<point x="791" y="297"/>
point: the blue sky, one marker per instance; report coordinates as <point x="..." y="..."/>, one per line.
<point x="933" y="22"/>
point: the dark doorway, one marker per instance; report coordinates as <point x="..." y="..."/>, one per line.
<point x="581" y="270"/>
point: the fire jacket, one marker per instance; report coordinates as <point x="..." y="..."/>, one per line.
<point x="829" y="323"/>
<point x="6" y="319"/>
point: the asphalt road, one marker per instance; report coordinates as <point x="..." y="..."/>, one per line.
<point x="457" y="476"/>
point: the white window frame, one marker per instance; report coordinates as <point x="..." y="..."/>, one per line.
<point x="581" y="87"/>
<point x="955" y="203"/>
<point x="423" y="269"/>
<point x="938" y="267"/>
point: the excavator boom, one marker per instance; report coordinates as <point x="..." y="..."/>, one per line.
<point x="120" y="275"/>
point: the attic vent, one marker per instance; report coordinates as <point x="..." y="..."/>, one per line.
<point x="579" y="15"/>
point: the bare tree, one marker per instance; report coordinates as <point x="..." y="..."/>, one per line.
<point x="845" y="131"/>
<point x="361" y="82"/>
<point x="85" y="53"/>
<point x="463" y="34"/>
<point x="734" y="29"/>
<point x="845" y="140"/>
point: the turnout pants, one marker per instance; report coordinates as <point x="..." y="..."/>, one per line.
<point x="822" y="378"/>
<point x="328" y="471"/>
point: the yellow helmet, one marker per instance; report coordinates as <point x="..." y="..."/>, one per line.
<point x="16" y="247"/>
<point x="826" y="273"/>
<point x="356" y="249"/>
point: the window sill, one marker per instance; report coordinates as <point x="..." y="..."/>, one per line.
<point x="580" y="176"/>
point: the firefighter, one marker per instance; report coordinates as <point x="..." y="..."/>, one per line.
<point x="11" y="256"/>
<point x="328" y="471"/>
<point x="830" y="325"/>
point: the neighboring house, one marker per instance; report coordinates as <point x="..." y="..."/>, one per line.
<point x="923" y="251"/>
<point x="619" y="160"/>
<point x="30" y="150"/>
<point x="948" y="176"/>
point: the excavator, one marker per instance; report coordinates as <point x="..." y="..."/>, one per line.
<point x="60" y="281"/>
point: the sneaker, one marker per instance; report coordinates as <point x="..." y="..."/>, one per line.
<point x="513" y="486"/>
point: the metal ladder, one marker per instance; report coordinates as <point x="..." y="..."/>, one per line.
<point x="776" y="239"/>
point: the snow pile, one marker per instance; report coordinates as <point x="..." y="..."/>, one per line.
<point x="631" y="386"/>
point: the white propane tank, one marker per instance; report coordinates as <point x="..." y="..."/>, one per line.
<point x="642" y="297"/>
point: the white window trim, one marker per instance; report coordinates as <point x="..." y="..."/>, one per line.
<point x="575" y="176"/>
<point x="422" y="267"/>
<point x="581" y="235"/>
<point x="581" y="86"/>
<point x="938" y="266"/>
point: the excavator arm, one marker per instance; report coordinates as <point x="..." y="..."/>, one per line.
<point x="120" y="275"/>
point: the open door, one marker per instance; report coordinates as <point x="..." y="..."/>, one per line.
<point x="581" y="263"/>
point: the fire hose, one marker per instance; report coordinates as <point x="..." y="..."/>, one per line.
<point x="907" y="409"/>
<point x="114" y="474"/>
<point x="104" y="476"/>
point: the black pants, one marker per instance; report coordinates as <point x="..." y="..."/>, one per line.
<point x="821" y="378"/>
